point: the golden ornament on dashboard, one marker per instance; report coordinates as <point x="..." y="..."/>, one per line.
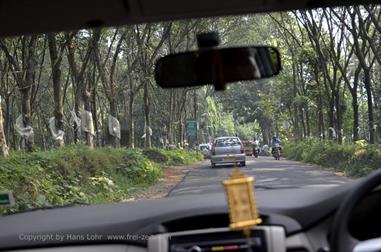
<point x="241" y="202"/>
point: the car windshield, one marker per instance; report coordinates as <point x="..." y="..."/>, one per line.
<point x="225" y="142"/>
<point x="82" y="120"/>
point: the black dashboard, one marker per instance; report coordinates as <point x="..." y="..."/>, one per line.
<point x="301" y="215"/>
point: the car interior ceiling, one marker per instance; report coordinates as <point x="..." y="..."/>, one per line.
<point x="40" y="16"/>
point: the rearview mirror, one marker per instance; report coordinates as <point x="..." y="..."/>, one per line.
<point x="217" y="66"/>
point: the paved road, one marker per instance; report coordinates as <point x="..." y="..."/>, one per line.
<point x="267" y="172"/>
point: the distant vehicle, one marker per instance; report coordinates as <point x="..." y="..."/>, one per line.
<point x="248" y="147"/>
<point x="265" y="150"/>
<point x="205" y="149"/>
<point x="227" y="150"/>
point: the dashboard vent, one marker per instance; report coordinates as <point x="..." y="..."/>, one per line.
<point x="297" y="250"/>
<point x="200" y="222"/>
<point x="197" y="222"/>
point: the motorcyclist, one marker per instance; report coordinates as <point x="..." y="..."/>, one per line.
<point x="275" y="141"/>
<point x="255" y="147"/>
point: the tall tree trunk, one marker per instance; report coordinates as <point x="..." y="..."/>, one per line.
<point x="301" y="115"/>
<point x="331" y="117"/>
<point x="81" y="93"/>
<point x="77" y="89"/>
<point x="109" y="84"/>
<point x="321" y="118"/>
<point x="338" y="117"/>
<point x="26" y="142"/>
<point x="180" y="140"/>
<point x="355" y="107"/>
<point x="367" y="84"/>
<point x="131" y="123"/>
<point x="55" y="61"/>
<point x="264" y="135"/>
<point x="88" y="135"/>
<point x="3" y="142"/>
<point x="77" y="111"/>
<point x="7" y="119"/>
<point x="147" y="116"/>
<point x="308" y="121"/>
<point x="195" y="115"/>
<point x="113" y="112"/>
<point x="98" y="141"/>
<point x="170" y="117"/>
<point x="321" y="128"/>
<point x="295" y="106"/>
<point x="27" y="87"/>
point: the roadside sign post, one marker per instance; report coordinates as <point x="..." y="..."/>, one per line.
<point x="191" y="129"/>
<point x="6" y="199"/>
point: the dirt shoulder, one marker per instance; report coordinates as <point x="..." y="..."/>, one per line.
<point x="170" y="177"/>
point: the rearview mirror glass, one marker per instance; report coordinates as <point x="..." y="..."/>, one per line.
<point x="217" y="65"/>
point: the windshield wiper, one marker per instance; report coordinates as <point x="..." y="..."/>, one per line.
<point x="72" y="204"/>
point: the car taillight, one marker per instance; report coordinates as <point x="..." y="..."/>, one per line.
<point x="242" y="149"/>
<point x="213" y="149"/>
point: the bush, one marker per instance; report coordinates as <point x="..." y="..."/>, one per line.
<point x="354" y="160"/>
<point x="179" y="157"/>
<point x="77" y="174"/>
<point x="155" y="155"/>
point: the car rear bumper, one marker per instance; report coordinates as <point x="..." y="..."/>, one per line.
<point x="225" y="159"/>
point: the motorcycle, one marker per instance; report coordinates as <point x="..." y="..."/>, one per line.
<point x="276" y="151"/>
<point x="256" y="151"/>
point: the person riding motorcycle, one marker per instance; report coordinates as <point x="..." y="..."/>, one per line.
<point x="256" y="149"/>
<point x="274" y="142"/>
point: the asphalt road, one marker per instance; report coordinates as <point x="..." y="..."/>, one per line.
<point x="268" y="173"/>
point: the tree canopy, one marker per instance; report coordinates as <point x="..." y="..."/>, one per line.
<point x="97" y="86"/>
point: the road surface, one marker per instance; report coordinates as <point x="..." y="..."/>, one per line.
<point x="268" y="173"/>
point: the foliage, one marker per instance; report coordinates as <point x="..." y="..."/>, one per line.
<point x="179" y="157"/>
<point x="221" y="122"/>
<point x="78" y="174"/>
<point x="155" y="155"/>
<point x="248" y="131"/>
<point x="354" y="160"/>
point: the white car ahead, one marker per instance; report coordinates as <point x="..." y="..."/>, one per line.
<point x="227" y="150"/>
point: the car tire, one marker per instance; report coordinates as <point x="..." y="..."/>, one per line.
<point x="243" y="163"/>
<point x="213" y="165"/>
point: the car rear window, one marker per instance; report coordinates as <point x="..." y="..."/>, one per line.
<point x="227" y="142"/>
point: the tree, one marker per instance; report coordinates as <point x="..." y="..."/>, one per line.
<point x="24" y="75"/>
<point x="56" y="55"/>
<point x="3" y="141"/>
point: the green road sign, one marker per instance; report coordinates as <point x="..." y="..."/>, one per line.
<point x="191" y="128"/>
<point x="6" y="199"/>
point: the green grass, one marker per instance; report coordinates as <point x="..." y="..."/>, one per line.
<point x="77" y="174"/>
<point x="354" y="160"/>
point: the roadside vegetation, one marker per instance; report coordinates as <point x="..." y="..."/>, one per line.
<point x="357" y="159"/>
<point x="76" y="174"/>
